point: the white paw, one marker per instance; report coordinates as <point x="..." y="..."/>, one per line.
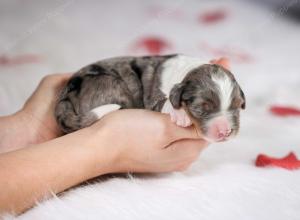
<point x="180" y="117"/>
<point x="102" y="110"/>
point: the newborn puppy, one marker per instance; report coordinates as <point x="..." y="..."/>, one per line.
<point x="188" y="89"/>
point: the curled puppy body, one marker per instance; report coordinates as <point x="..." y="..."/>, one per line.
<point x="188" y="89"/>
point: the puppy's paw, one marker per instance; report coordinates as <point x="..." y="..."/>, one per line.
<point x="180" y="117"/>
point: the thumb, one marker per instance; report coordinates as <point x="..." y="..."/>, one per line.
<point x="176" y="132"/>
<point x="190" y="132"/>
<point x="186" y="148"/>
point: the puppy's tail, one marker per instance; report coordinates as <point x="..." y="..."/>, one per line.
<point x="69" y="121"/>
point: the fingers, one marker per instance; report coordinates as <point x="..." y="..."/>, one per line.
<point x="47" y="90"/>
<point x="185" y="152"/>
<point x="179" y="132"/>
<point x="55" y="79"/>
<point x="185" y="127"/>
<point x="175" y="132"/>
<point x="186" y="145"/>
<point x="63" y="77"/>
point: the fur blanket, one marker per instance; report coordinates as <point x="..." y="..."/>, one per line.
<point x="42" y="37"/>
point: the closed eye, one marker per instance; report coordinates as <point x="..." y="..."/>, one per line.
<point x="208" y="105"/>
<point x="236" y="103"/>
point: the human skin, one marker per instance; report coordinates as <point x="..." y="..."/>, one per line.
<point x="37" y="161"/>
<point x="35" y="122"/>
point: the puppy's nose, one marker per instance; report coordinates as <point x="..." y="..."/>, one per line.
<point x="219" y="129"/>
<point x="222" y="134"/>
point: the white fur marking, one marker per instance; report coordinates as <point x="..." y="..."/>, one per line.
<point x="175" y="69"/>
<point x="167" y="108"/>
<point x="105" y="109"/>
<point x="225" y="86"/>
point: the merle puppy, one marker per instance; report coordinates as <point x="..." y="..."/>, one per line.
<point x="190" y="90"/>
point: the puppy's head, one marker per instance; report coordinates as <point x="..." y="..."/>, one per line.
<point x="213" y="99"/>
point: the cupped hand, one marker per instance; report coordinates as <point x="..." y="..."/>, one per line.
<point x="136" y="140"/>
<point x="146" y="141"/>
<point x="38" y="110"/>
<point x="35" y="122"/>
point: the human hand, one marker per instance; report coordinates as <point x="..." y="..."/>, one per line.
<point x="123" y="141"/>
<point x="39" y="108"/>
<point x="35" y="122"/>
<point x="144" y="141"/>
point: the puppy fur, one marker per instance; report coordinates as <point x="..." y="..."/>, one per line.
<point x="150" y="82"/>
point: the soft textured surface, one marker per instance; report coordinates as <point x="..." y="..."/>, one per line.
<point x="224" y="183"/>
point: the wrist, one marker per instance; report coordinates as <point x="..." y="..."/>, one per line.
<point x="104" y="154"/>
<point x="21" y="129"/>
<point x="14" y="133"/>
<point x="43" y="126"/>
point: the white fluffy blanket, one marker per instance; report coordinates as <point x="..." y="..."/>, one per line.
<point x="42" y="37"/>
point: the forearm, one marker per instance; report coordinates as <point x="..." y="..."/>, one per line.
<point x="22" y="129"/>
<point x="33" y="173"/>
<point x="14" y="132"/>
<point x="114" y="144"/>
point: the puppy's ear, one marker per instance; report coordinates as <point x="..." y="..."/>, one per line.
<point x="175" y="95"/>
<point x="243" y="106"/>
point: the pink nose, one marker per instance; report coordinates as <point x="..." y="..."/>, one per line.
<point x="222" y="134"/>
<point x="219" y="129"/>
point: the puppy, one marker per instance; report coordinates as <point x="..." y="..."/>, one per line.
<point x="188" y="89"/>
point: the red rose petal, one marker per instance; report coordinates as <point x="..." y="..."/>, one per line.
<point x="284" y="111"/>
<point x="153" y="45"/>
<point x="19" y="59"/>
<point x="211" y="17"/>
<point x="289" y="162"/>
